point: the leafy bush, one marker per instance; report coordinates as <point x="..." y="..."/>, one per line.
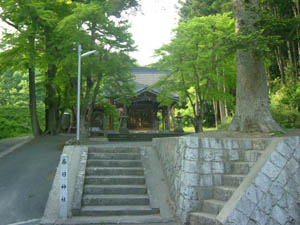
<point x="285" y="117"/>
<point x="285" y="106"/>
<point x="225" y="124"/>
<point x="15" y="121"/>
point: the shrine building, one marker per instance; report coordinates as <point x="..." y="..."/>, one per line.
<point x="142" y="113"/>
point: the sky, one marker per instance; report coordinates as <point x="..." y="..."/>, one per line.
<point x="152" y="27"/>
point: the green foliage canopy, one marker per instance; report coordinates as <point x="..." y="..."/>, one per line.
<point x="202" y="65"/>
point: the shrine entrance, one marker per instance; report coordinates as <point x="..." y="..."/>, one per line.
<point x="142" y="117"/>
<point x="142" y="113"/>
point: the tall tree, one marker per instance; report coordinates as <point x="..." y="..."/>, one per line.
<point x="197" y="71"/>
<point x="109" y="36"/>
<point x="252" y="106"/>
<point x="281" y="18"/>
<point x="39" y="43"/>
<point x="21" y="48"/>
<point x="51" y="57"/>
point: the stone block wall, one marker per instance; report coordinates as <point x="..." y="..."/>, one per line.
<point x="179" y="158"/>
<point x="270" y="194"/>
<point x="194" y="165"/>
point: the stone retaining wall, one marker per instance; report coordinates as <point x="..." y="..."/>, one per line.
<point x="270" y="194"/>
<point x="194" y="165"/>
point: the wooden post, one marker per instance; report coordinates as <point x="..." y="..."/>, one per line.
<point x="168" y="118"/>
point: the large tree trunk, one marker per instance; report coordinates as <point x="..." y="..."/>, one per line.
<point x="252" y="106"/>
<point x="52" y="115"/>
<point x="281" y="64"/>
<point x="32" y="96"/>
<point x="226" y="110"/>
<point x="293" y="63"/>
<point x="215" y="104"/>
<point x="295" y="58"/>
<point x="32" y="105"/>
<point x="51" y="104"/>
<point x="198" y="124"/>
<point x="222" y="111"/>
<point x="198" y="113"/>
<point x="91" y="106"/>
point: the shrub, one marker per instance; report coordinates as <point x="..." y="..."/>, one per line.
<point x="285" y="106"/>
<point x="15" y="121"/>
<point x="286" y="118"/>
<point x="225" y="124"/>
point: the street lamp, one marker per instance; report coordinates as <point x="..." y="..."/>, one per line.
<point x="78" y="88"/>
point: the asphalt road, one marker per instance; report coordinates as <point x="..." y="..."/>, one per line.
<point x="26" y="177"/>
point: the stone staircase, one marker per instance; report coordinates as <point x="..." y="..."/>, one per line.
<point x="221" y="194"/>
<point x="115" y="186"/>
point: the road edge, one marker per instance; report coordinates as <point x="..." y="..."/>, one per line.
<point x="24" y="141"/>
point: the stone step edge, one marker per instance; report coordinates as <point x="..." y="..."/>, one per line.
<point x="115" y="186"/>
<point x="200" y="217"/>
<point x="114" y="168"/>
<point x="114" y="163"/>
<point x="111" y="156"/>
<point x="116" y="148"/>
<point x="117" y="207"/>
<point x="115" y="189"/>
<point x="115" y="179"/>
<point x="113" y="153"/>
<point x="126" y="210"/>
<point x="225" y="188"/>
<point x="212" y="202"/>
<point x="120" y="220"/>
<point x="114" y="176"/>
<point x="235" y="179"/>
<point x="114" y="160"/>
<point x="115" y="196"/>
<point x="94" y="171"/>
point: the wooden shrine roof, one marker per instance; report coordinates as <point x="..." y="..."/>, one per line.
<point x="148" y="76"/>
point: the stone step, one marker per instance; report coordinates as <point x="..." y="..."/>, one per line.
<point x="106" y="200"/>
<point x="114" y="150"/>
<point x="118" y="156"/>
<point x="201" y="218"/>
<point x="252" y="155"/>
<point x="233" y="180"/>
<point x="114" y="171"/>
<point x="114" y="163"/>
<point x="212" y="206"/>
<point x="223" y="193"/>
<point x="117" y="210"/>
<point x="241" y="167"/>
<point x="115" y="189"/>
<point x="122" y="220"/>
<point x="117" y="180"/>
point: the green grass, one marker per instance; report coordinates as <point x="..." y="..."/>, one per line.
<point x="15" y="121"/>
<point x="191" y="129"/>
